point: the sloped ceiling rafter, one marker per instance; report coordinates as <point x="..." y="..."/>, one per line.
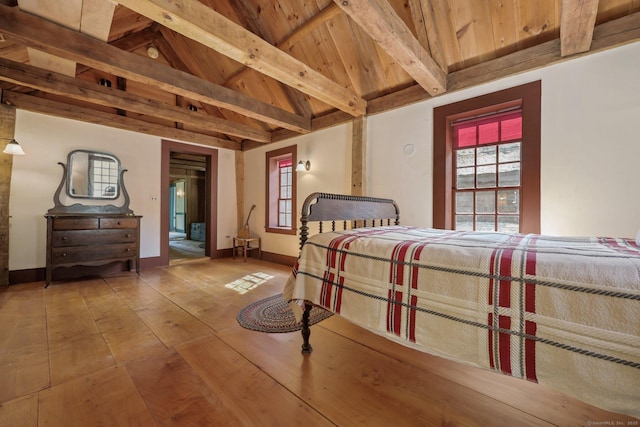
<point x="200" y="23"/>
<point x="382" y="23"/>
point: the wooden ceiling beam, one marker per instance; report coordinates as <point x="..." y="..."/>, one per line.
<point x="196" y="21"/>
<point x="56" y="40"/>
<point x="59" y="84"/>
<point x="577" y="22"/>
<point x="67" y="111"/>
<point x="378" y="19"/>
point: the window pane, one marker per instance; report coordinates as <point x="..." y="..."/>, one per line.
<point x="485" y="223"/>
<point x="509" y="152"/>
<point x="465" y="157"/>
<point x="485" y="202"/>
<point x="512" y="128"/>
<point x="487" y="155"/>
<point x="508" y="201"/>
<point x="464" y="202"/>
<point x="465" y="136"/>
<point x="464" y="222"/>
<point x="486" y="176"/>
<point x="488" y="133"/>
<point x="464" y="177"/>
<point x="509" y="223"/>
<point x="509" y="175"/>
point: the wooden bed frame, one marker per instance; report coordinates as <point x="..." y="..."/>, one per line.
<point x="349" y="212"/>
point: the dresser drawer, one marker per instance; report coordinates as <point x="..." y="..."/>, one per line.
<point x="61" y="238"/>
<point x="75" y="223"/>
<point x="118" y="222"/>
<point x="80" y="254"/>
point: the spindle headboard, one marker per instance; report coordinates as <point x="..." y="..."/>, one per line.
<point x="350" y="211"/>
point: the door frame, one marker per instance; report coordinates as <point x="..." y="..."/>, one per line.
<point x="211" y="191"/>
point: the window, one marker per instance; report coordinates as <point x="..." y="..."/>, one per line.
<point x="487" y="162"/>
<point x="487" y="157"/>
<point x="285" y="171"/>
<point x="281" y="191"/>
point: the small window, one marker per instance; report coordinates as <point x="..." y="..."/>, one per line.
<point x="281" y="191"/>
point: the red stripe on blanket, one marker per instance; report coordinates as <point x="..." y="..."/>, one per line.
<point x="490" y="316"/>
<point x="396" y="278"/>
<point x="530" y="307"/>
<point x="415" y="271"/>
<point x="504" y="322"/>
<point x="530" y="351"/>
<point x="412" y="319"/>
<point x="394" y="312"/>
<point x="503" y="257"/>
<point x="329" y="276"/>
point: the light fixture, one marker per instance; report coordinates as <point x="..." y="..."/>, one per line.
<point x="152" y="52"/>
<point x="303" y="166"/>
<point x="13" y="147"/>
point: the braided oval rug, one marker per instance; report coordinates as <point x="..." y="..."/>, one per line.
<point x="273" y="314"/>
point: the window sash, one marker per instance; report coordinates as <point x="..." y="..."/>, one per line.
<point x="487" y="173"/>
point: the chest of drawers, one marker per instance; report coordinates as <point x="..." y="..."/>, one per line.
<point x="92" y="239"/>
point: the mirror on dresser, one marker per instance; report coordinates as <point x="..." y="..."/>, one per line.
<point x="92" y="233"/>
<point x="93" y="175"/>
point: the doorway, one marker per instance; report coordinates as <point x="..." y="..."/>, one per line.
<point x="188" y="203"/>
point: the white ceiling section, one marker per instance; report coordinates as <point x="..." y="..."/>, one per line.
<point x="91" y="17"/>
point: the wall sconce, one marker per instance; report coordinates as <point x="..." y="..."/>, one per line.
<point x="303" y="166"/>
<point x="13" y="147"/>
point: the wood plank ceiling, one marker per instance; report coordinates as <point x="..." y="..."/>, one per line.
<point x="240" y="74"/>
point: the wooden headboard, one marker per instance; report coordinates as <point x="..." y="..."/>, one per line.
<point x="351" y="211"/>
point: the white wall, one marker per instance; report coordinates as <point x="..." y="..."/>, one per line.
<point x="35" y="177"/>
<point x="330" y="157"/>
<point x="590" y="146"/>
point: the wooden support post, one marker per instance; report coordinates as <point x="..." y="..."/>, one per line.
<point x="7" y="128"/>
<point x="240" y="188"/>
<point x="358" y="156"/>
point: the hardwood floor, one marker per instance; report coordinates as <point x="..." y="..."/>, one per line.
<point x="165" y="348"/>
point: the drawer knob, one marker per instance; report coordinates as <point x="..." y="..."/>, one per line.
<point x="119" y="223"/>
<point x="64" y="237"/>
<point x="128" y="249"/>
<point x="127" y="235"/>
<point x="64" y="254"/>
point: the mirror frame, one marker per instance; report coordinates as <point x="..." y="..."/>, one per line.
<point x="71" y="176"/>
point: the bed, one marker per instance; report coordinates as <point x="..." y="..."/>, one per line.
<point x="560" y="311"/>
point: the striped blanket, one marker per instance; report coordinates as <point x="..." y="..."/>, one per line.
<point x="564" y="312"/>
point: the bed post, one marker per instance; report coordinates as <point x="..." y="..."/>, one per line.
<point x="306" y="331"/>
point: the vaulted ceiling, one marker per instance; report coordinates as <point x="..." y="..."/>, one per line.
<point x="242" y="73"/>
